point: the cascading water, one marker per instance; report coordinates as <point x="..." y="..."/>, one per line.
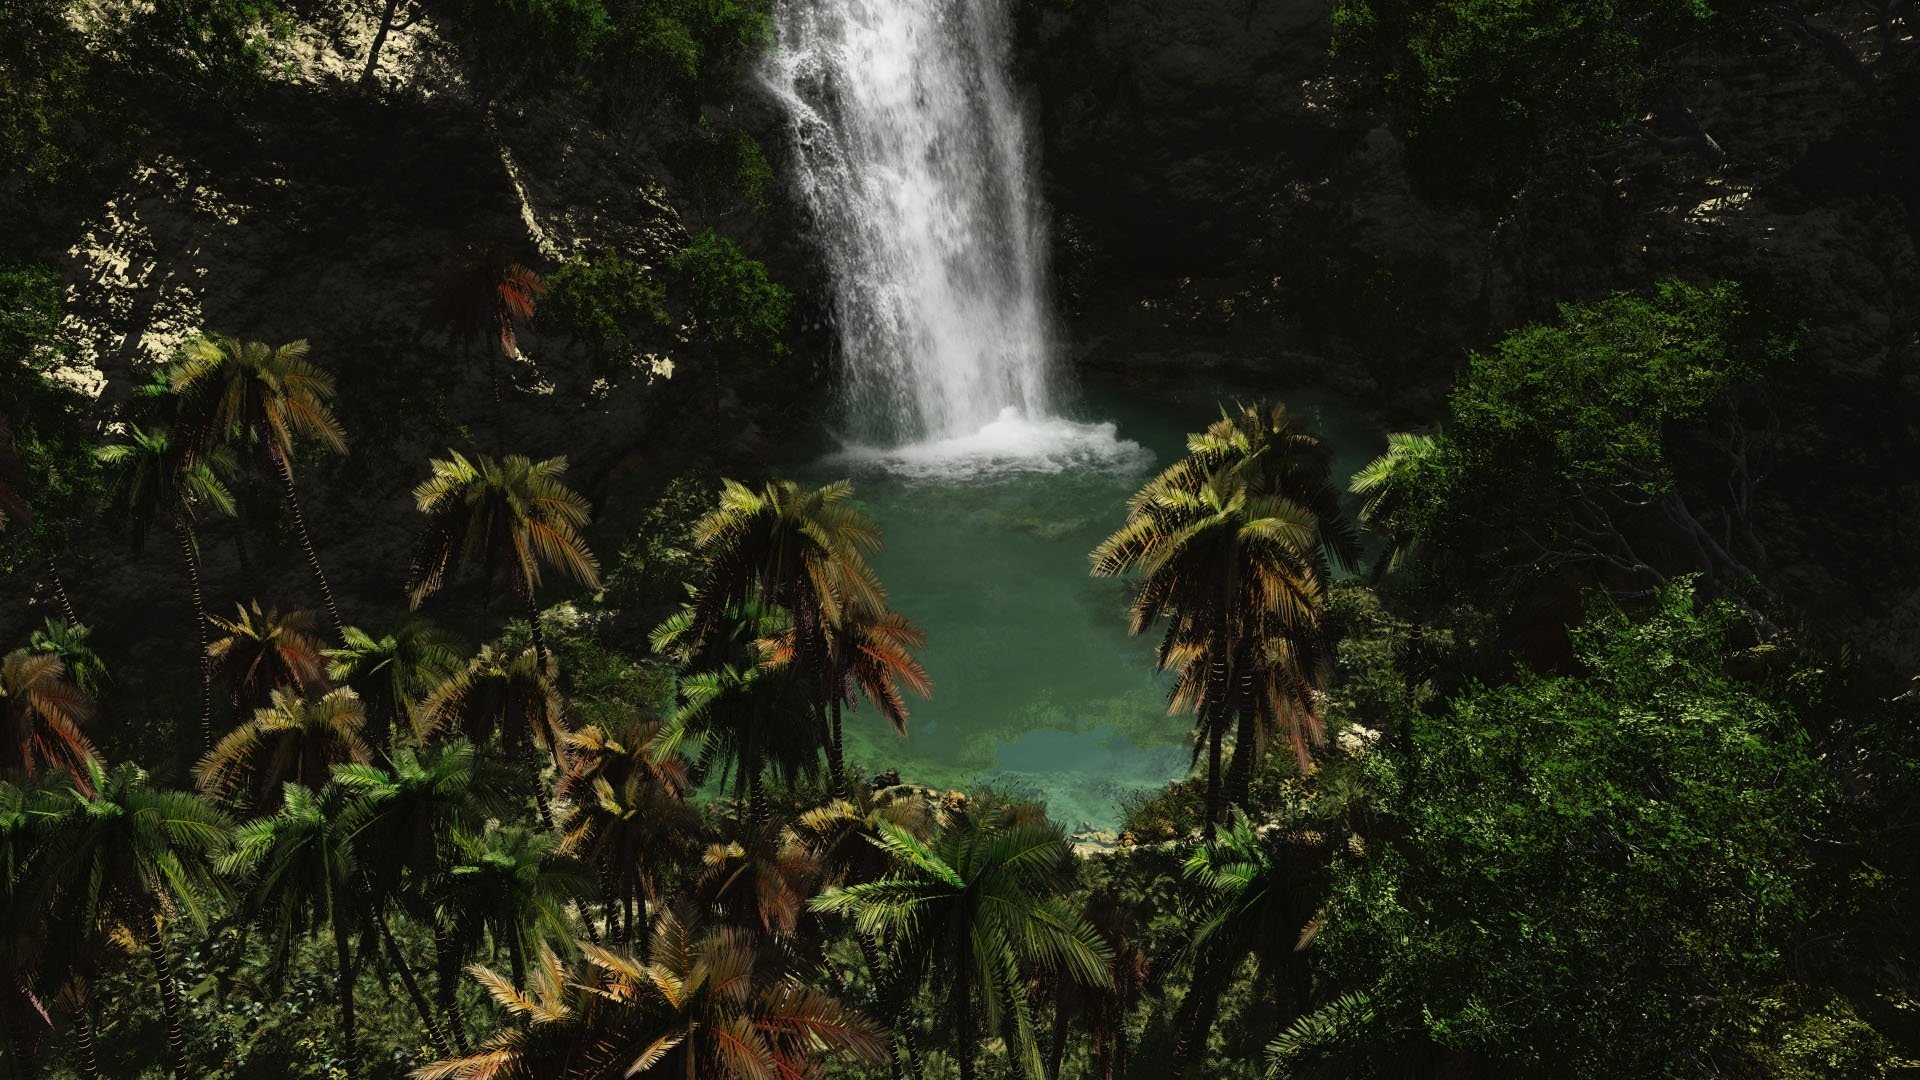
<point x="911" y="152"/>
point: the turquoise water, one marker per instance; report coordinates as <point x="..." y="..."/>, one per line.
<point x="1037" y="686"/>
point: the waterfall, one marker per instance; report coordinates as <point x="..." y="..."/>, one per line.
<point x="911" y="153"/>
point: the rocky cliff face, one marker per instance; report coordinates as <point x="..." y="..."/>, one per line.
<point x="323" y="211"/>
<point x="1203" y="163"/>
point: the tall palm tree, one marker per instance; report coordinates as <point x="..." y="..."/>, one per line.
<point x="392" y="673"/>
<point x="43" y="713"/>
<point x="512" y="887"/>
<point x="703" y="1007"/>
<point x="261" y="400"/>
<point x="151" y="479"/>
<point x="293" y="740"/>
<point x="800" y="549"/>
<point x="483" y="298"/>
<point x="739" y="703"/>
<point x="871" y="656"/>
<point x="761" y="880"/>
<point x="403" y="820"/>
<point x="967" y="915"/>
<point x="1255" y="902"/>
<point x="124" y="858"/>
<point x="509" y="695"/>
<point x="1231" y="545"/>
<point x="627" y="816"/>
<point x="515" y="511"/>
<point x="297" y="871"/>
<point x="260" y="652"/>
<point x="843" y="837"/>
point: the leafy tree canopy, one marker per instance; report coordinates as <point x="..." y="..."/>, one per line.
<point x="731" y="295"/>
<point x="1564" y="443"/>
<point x="1490" y="93"/>
<point x="1600" y="872"/>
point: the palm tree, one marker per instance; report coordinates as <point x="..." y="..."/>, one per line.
<point x="628" y="816"/>
<point x="802" y="550"/>
<point x="1231" y="545"/>
<point x="703" y="1007"/>
<point x="403" y="819"/>
<point x="44" y="714"/>
<point x="121" y="858"/>
<point x="508" y="695"/>
<point x="151" y="479"/>
<point x="514" y="510"/>
<point x="265" y="400"/>
<point x="1253" y="902"/>
<point x="68" y="641"/>
<point x="760" y="881"/>
<point x="512" y="887"/>
<point x="392" y="673"/>
<point x="297" y="869"/>
<point x="739" y="703"/>
<point x="967" y="915"/>
<point x="843" y="837"/>
<point x="293" y="740"/>
<point x="482" y="299"/>
<point x="1390" y="484"/>
<point x="260" y="652"/>
<point x="872" y="657"/>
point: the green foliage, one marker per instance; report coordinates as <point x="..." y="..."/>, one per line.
<point x="603" y="301"/>
<point x="1567" y="442"/>
<point x="688" y="47"/>
<point x="1492" y="93"/>
<point x="734" y="301"/>
<point x="654" y="566"/>
<point x="201" y="50"/>
<point x="726" y="163"/>
<point x="1583" y="854"/>
<point x="48" y="103"/>
<point x="539" y="42"/>
<point x="45" y="416"/>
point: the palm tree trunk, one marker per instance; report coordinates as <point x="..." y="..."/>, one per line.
<point x="1240" y="773"/>
<point x="448" y="974"/>
<point x="89" y="1048"/>
<point x="517" y="956"/>
<point x="539" y="635"/>
<point x="964" y="1035"/>
<point x="170" y="1007"/>
<point x="837" y="751"/>
<point x="60" y="592"/>
<point x="343" y="956"/>
<point x="306" y="543"/>
<point x="410" y="984"/>
<point x="190" y="549"/>
<point x="1057" y="1050"/>
<point x="586" y="920"/>
<point x="1214" y="788"/>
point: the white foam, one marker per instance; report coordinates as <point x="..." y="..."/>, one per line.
<point x="1010" y="445"/>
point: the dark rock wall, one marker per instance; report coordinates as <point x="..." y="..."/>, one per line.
<point x="1203" y="162"/>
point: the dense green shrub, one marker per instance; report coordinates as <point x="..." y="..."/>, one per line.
<point x="1600" y="874"/>
<point x="603" y="301"/>
<point x="734" y="301"/>
<point x="1571" y="443"/>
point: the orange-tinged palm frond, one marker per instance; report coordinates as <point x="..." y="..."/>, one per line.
<point x="513" y="511"/>
<point x="44" y="714"/>
<point x="259" y="652"/>
<point x="291" y="740"/>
